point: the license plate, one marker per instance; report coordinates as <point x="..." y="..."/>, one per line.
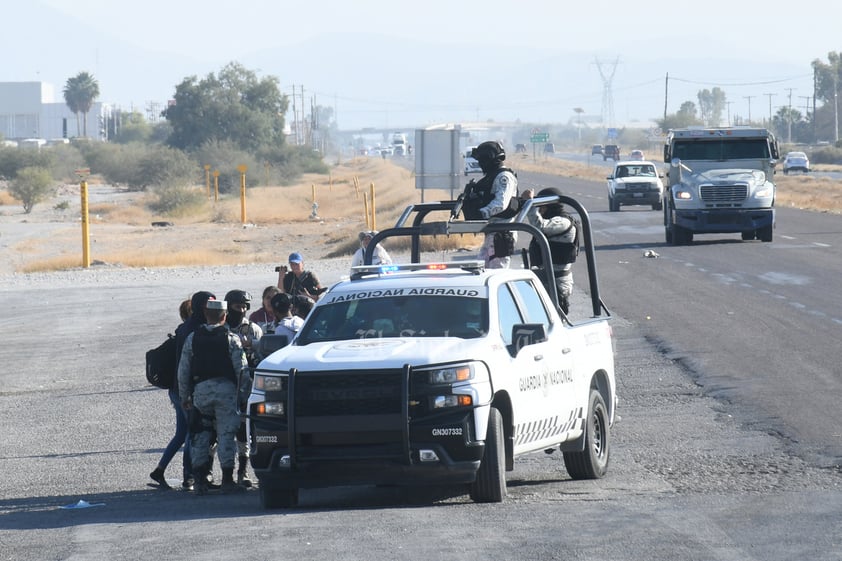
<point x="638" y="195"/>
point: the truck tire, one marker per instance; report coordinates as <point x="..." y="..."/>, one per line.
<point x="681" y="236"/>
<point x="490" y="485"/>
<point x="764" y="234"/>
<point x="592" y="462"/>
<point x="277" y="498"/>
<point x="613" y="205"/>
<point x="748" y="235"/>
<point x="658" y="206"/>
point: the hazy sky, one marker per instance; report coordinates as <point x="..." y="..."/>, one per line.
<point x="214" y="32"/>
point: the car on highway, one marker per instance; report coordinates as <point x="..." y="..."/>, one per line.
<point x="635" y="182"/>
<point x="796" y="161"/>
<point x="471" y="163"/>
<point x="636" y="155"/>
<point x="611" y="151"/>
<point x="596" y="149"/>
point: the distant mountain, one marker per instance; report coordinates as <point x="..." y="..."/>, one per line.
<point x="380" y="81"/>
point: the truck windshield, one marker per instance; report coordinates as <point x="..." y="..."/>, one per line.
<point x="719" y="150"/>
<point x="399" y="316"/>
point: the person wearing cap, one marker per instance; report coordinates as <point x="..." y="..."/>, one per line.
<point x="296" y="280"/>
<point x="210" y="382"/>
<point x="379" y="257"/>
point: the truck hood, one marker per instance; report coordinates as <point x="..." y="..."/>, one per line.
<point x="727" y="176"/>
<point x="359" y="353"/>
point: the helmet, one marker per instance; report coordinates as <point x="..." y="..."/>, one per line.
<point x="549" y="192"/>
<point x="490" y="150"/>
<point x="554" y="209"/>
<point x="239" y="297"/>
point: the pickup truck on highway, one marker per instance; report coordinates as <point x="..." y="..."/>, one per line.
<point x="435" y="374"/>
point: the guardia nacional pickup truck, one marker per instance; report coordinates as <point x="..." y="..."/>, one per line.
<point x="432" y="374"/>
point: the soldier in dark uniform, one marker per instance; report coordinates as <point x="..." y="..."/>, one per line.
<point x="494" y="197"/>
<point x="209" y="377"/>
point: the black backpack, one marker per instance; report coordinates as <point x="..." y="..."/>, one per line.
<point x="161" y="364"/>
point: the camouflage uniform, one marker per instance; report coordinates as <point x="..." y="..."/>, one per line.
<point x="214" y="399"/>
<point x="250" y="334"/>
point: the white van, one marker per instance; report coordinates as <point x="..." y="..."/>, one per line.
<point x="471" y="165"/>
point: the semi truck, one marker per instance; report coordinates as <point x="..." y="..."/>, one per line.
<point x="720" y="180"/>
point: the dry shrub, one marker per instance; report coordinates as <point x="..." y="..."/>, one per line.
<point x="6" y="199"/>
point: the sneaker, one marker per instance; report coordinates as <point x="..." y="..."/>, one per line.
<point x="211" y="484"/>
<point x="158" y="477"/>
<point x="187" y="484"/>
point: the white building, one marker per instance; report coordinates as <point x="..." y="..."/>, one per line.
<point x="31" y="110"/>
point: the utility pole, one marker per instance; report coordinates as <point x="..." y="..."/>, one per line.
<point x="789" y="118"/>
<point x="667" y="95"/>
<point x="728" y="104"/>
<point x="748" y="97"/>
<point x="769" y="126"/>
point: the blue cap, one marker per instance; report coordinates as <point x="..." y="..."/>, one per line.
<point x="295" y="258"/>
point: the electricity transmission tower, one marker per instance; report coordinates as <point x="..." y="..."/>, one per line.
<point x="607" y="93"/>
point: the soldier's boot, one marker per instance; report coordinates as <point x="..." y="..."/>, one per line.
<point x="200" y="480"/>
<point x="228" y="484"/>
<point x="242" y="475"/>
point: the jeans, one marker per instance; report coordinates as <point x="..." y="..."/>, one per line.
<point x="179" y="438"/>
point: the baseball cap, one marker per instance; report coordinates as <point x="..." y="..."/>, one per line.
<point x="216" y="305"/>
<point x="295" y="258"/>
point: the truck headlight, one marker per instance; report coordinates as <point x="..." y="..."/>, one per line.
<point x="451" y="374"/>
<point x="683" y="195"/>
<point x="763" y="193"/>
<point x="267" y="383"/>
<point x="443" y="401"/>
<point x="275" y="408"/>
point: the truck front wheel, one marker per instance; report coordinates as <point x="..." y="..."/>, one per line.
<point x="592" y="462"/>
<point x="764" y="234"/>
<point x="490" y="485"/>
<point x="277" y="498"/>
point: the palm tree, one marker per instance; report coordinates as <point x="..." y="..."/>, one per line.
<point x="80" y="92"/>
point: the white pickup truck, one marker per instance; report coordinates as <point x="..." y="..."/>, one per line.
<point x="433" y="374"/>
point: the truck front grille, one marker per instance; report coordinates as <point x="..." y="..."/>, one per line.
<point x="377" y="392"/>
<point x="718" y="194"/>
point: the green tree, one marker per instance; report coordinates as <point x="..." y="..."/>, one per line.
<point x="684" y="117"/>
<point x="80" y="92"/>
<point x="31" y="186"/>
<point x="233" y="106"/>
<point x="711" y="105"/>
<point x="130" y="127"/>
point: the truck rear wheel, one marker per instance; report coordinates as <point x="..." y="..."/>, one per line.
<point x="277" y="498"/>
<point x="592" y="462"/>
<point x="490" y="485"/>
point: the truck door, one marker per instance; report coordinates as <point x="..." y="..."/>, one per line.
<point x="542" y="393"/>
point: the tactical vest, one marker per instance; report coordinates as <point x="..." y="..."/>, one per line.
<point x="480" y="193"/>
<point x="561" y="253"/>
<point x="211" y="355"/>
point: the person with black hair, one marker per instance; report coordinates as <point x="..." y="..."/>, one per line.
<point x="561" y="232"/>
<point x="493" y="197"/>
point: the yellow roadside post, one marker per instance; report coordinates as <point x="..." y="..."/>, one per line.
<point x="86" y="235"/>
<point x="207" y="178"/>
<point x="215" y="185"/>
<point x="242" y="169"/>
<point x="373" y="209"/>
